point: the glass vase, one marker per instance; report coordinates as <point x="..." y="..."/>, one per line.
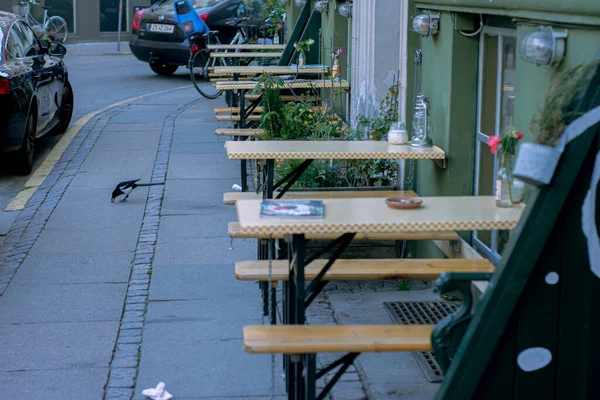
<point x="504" y="181"/>
<point x="301" y="59"/>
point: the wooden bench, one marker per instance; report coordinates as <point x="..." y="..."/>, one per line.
<point x="311" y="339"/>
<point x="236" y="118"/>
<point x="301" y="343"/>
<point x="239" y="132"/>
<point x="235" y="232"/>
<point x="230" y="198"/>
<point x="358" y="270"/>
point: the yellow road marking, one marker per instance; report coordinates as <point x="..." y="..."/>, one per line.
<point x="39" y="175"/>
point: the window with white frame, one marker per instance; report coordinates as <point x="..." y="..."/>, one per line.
<point x="495" y="110"/>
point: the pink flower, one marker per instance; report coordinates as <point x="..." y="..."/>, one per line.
<point x="279" y="26"/>
<point x="332" y="56"/>
<point x="519" y="135"/>
<point x="340" y="52"/>
<point x="493" y="142"/>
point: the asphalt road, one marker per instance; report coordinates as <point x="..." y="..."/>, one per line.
<point x="100" y="77"/>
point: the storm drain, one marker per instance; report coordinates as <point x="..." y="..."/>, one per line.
<point x="422" y="313"/>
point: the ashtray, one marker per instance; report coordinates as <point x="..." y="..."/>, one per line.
<point x="403" y="203"/>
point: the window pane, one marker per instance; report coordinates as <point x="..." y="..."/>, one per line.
<point x="109" y="16"/>
<point x="62" y="8"/>
<point x="489" y="85"/>
<point x="509" y="83"/>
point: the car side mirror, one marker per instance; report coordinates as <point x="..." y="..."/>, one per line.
<point x="57" y="49"/>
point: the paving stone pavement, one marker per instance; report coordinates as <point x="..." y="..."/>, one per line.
<point x="100" y="300"/>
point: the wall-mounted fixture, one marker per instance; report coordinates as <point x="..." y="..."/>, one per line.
<point x="345" y="10"/>
<point x="321" y="6"/>
<point x="300" y="3"/>
<point x="425" y="23"/>
<point x="544" y="46"/>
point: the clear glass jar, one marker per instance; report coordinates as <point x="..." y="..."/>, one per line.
<point x="504" y="181"/>
<point x="397" y="133"/>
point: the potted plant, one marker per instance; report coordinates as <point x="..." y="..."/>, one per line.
<point x="536" y="162"/>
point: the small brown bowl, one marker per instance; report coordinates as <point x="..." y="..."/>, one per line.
<point x="403" y="203"/>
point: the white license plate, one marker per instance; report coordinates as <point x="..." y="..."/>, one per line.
<point x="162" y="28"/>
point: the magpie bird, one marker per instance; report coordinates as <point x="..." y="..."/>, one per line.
<point x="126" y="187"/>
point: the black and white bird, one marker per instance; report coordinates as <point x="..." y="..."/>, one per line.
<point x="125" y="188"/>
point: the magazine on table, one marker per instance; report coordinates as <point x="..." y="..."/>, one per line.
<point x="291" y="209"/>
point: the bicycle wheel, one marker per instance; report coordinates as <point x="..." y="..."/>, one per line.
<point x="200" y="74"/>
<point x="56" y="29"/>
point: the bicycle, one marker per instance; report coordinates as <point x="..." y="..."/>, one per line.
<point x="201" y="63"/>
<point x="54" y="27"/>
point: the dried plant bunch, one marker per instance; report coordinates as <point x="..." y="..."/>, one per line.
<point x="557" y="110"/>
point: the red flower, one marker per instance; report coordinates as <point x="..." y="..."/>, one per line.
<point x="519" y="135"/>
<point x="493" y="142"/>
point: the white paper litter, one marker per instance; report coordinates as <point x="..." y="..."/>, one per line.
<point x="158" y="393"/>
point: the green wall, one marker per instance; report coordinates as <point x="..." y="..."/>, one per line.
<point x="449" y="78"/>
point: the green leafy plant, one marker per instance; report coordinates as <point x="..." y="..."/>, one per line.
<point x="376" y="128"/>
<point x="303" y="46"/>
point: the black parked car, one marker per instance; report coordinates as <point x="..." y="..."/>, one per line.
<point x="35" y="94"/>
<point x="157" y="39"/>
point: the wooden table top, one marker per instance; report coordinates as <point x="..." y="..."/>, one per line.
<point x="297" y="84"/>
<point x="327" y="150"/>
<point x="246" y="46"/>
<point x="246" y="54"/>
<point x="272" y="69"/>
<point x="372" y="215"/>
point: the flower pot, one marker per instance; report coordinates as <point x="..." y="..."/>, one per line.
<point x="536" y="163"/>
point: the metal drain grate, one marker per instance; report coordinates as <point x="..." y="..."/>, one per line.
<point x="422" y="313"/>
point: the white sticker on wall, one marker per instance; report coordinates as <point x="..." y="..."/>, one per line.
<point x="551" y="278"/>
<point x="534" y="358"/>
<point x="588" y="220"/>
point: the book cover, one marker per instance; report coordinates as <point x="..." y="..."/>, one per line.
<point x="291" y="209"/>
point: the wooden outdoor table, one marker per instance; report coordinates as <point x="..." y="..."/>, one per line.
<point x="247" y="54"/>
<point x="347" y="217"/>
<point x="246" y="46"/>
<point x="271" y="150"/>
<point x="372" y="215"/>
<point x="296" y="84"/>
<point x="328" y="149"/>
<point x="271" y="69"/>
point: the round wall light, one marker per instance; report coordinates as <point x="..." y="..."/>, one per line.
<point x="321" y="6"/>
<point x="543" y="47"/>
<point x="345" y="10"/>
<point x="300" y="3"/>
<point x="426" y="23"/>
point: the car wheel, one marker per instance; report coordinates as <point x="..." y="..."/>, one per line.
<point x="23" y="158"/>
<point x="66" y="111"/>
<point x="162" y="69"/>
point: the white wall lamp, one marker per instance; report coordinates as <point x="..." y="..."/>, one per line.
<point x="543" y="47"/>
<point x="345" y="10"/>
<point x="300" y="3"/>
<point x="426" y="23"/>
<point x="321" y="6"/>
